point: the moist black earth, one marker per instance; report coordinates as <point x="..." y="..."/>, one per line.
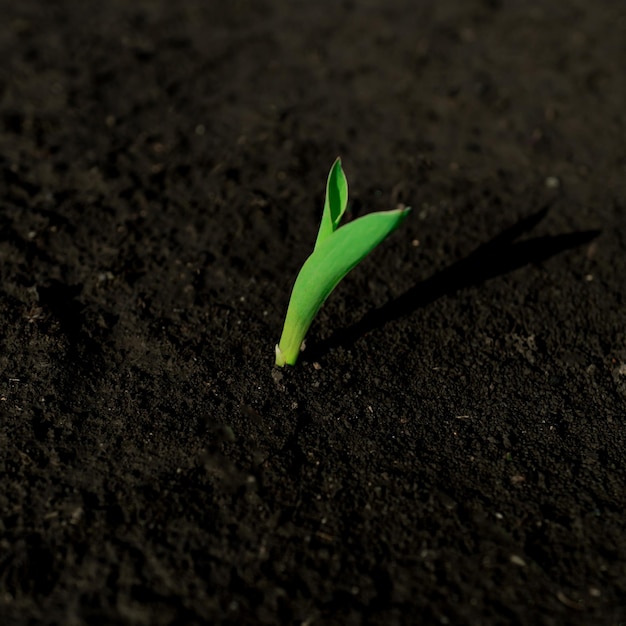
<point x="450" y="447"/>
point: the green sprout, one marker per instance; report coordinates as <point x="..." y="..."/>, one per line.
<point x="337" y="250"/>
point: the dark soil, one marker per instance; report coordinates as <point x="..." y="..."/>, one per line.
<point x="450" y="449"/>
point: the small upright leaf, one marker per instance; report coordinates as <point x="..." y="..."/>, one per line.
<point x="335" y="203"/>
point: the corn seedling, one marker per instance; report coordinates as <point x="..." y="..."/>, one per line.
<point x="337" y="250"/>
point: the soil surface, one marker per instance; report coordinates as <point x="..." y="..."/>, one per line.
<point x="450" y="448"/>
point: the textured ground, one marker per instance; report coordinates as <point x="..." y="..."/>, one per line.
<point x="450" y="449"/>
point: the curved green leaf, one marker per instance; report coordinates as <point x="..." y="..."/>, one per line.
<point x="335" y="203"/>
<point x="331" y="260"/>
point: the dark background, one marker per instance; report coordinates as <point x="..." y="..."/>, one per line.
<point x="450" y="447"/>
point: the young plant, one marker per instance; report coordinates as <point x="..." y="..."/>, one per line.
<point x="337" y="250"/>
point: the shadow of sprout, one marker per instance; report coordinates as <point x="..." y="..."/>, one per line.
<point x="495" y="258"/>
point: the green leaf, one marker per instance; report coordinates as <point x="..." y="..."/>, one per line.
<point x="332" y="259"/>
<point x="335" y="203"/>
